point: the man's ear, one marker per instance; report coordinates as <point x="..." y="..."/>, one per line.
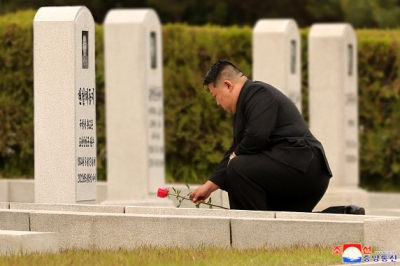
<point x="228" y="84"/>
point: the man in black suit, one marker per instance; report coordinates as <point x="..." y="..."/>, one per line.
<point x="274" y="163"/>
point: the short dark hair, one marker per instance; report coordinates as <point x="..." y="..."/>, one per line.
<point x="215" y="70"/>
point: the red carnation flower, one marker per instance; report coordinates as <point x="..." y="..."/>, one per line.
<point x="162" y="192"/>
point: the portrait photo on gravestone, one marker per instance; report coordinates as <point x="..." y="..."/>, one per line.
<point x="85" y="47"/>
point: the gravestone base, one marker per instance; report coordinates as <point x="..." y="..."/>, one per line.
<point x="343" y="196"/>
<point x="148" y="201"/>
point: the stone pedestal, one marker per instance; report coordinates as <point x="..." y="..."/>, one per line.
<point x="134" y="107"/>
<point x="276" y="56"/>
<point x="334" y="108"/>
<point x="65" y="105"/>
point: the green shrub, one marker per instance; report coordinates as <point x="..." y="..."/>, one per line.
<point x="379" y="109"/>
<point x="16" y="94"/>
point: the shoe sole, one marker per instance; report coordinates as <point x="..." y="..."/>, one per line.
<point x="360" y="211"/>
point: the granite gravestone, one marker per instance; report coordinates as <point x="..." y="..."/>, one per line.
<point x="64" y="105"/>
<point x="276" y="56"/>
<point x="334" y="108"/>
<point x="134" y="107"/>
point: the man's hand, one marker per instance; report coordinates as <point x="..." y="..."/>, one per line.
<point x="201" y="193"/>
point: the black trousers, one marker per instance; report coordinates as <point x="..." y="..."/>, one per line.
<point x="259" y="182"/>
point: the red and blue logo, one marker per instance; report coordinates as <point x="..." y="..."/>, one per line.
<point x="352" y="253"/>
<point x="355" y="253"/>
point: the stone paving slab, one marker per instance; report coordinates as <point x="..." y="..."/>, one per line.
<point x="157" y="226"/>
<point x="68" y="207"/>
<point x="113" y="231"/>
<point x="322" y="216"/>
<point x="383" y="233"/>
<point x="386" y="212"/>
<point x="168" y="231"/>
<point x="13" y="242"/>
<point x="4" y="205"/>
<point x="198" y="212"/>
<point x="257" y="233"/>
<point x="14" y="220"/>
<point x="384" y="200"/>
<point x="74" y="229"/>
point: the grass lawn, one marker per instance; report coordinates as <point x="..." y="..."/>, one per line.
<point x="176" y="256"/>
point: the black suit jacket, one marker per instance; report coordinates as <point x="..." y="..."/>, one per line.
<point x="266" y="121"/>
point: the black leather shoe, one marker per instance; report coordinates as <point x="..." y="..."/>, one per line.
<point x="354" y="209"/>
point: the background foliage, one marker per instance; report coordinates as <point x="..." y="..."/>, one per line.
<point x="379" y="108"/>
<point x="197" y="131"/>
<point x="360" y="13"/>
<point x="16" y="94"/>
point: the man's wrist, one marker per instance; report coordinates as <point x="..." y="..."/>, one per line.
<point x="211" y="185"/>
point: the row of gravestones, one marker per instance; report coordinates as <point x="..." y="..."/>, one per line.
<point x="65" y="118"/>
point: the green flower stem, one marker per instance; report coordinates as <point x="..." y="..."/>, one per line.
<point x="209" y="204"/>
